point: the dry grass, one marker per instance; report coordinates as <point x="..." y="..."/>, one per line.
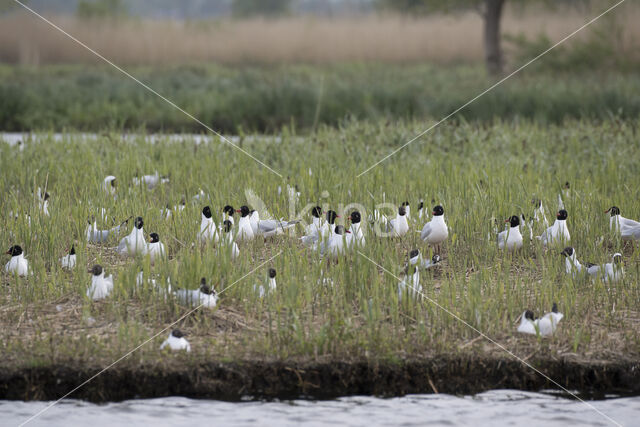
<point x="439" y="39"/>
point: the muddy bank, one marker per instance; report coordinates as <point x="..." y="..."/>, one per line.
<point x="232" y="381"/>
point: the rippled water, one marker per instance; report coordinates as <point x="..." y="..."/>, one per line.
<point x="496" y="408"/>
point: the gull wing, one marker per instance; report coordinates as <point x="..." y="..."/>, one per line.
<point x="426" y="230"/>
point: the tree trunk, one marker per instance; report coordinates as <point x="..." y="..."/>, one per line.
<point x="493" y="52"/>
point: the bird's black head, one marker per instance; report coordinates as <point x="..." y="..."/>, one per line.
<point x="414" y="253"/>
<point x="514" y="221"/>
<point x="206" y="211"/>
<point x="613" y="211"/>
<point x="183" y="201"/>
<point x="421" y="204"/>
<point x="96" y="270"/>
<point x="177" y="333"/>
<point x="568" y="251"/>
<point x="154" y="238"/>
<point x="226" y="226"/>
<point x="405" y="204"/>
<point x="316" y="211"/>
<point x="402" y="211"/>
<point x="562" y="214"/>
<point x="14" y="250"/>
<point x="355" y="217"/>
<point x="331" y="216"/>
<point x="46" y="196"/>
<point x="436" y="259"/>
<point x="113" y="182"/>
<point x="272" y="273"/>
<point x="138" y="223"/>
<point x="73" y="250"/>
<point x="554" y="309"/>
<point x="339" y="229"/>
<point x="204" y="288"/>
<point x="529" y="315"/>
<point x="438" y="211"/>
<point x="566" y="185"/>
<point x="229" y="210"/>
<point x="244" y="211"/>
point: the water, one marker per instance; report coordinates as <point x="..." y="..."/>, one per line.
<point x="495" y="408"/>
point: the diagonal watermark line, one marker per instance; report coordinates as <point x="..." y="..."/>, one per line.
<point x="497" y="344"/>
<point x="490" y="88"/>
<point x="33" y="417"/>
<point x="147" y="87"/>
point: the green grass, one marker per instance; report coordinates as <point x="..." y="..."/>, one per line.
<point x="476" y="171"/>
<point x="266" y="99"/>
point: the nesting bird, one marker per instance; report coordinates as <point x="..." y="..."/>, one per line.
<point x="628" y="228"/>
<point x="155" y="248"/>
<point x="101" y="286"/>
<point x="208" y="230"/>
<point x="69" y="261"/>
<point x="18" y="264"/>
<point x="558" y="232"/>
<point x="204" y="296"/>
<point x="511" y="239"/>
<point x="176" y="342"/>
<point x="135" y="243"/>
<point x="544" y="326"/>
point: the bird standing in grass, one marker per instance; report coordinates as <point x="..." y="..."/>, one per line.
<point x="208" y="230"/>
<point x="135" y="243"/>
<point x="435" y="231"/>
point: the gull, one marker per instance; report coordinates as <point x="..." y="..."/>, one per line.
<point x="415" y="258"/>
<point x="613" y="271"/>
<point x="271" y="227"/>
<point x="176" y="342"/>
<point x="227" y="239"/>
<point x="100" y="286"/>
<point x="421" y="213"/>
<point x="511" y="239"/>
<point x="335" y="245"/>
<point x="544" y="326"/>
<point x="435" y="231"/>
<point x="208" y="229"/>
<point x="98" y="236"/>
<point x="355" y="235"/>
<point x="628" y="228"/>
<point x="245" y="231"/>
<point x="558" y="232"/>
<point x="538" y="212"/>
<point x="151" y="181"/>
<point x="44" y="202"/>
<point x="134" y="243"/>
<point x="318" y="228"/>
<point x="574" y="267"/>
<point x="410" y="284"/>
<point x="203" y="296"/>
<point x="109" y="184"/>
<point x="262" y="290"/>
<point x="227" y="214"/>
<point x="69" y="261"/>
<point x="399" y="226"/>
<point x="155" y="248"/>
<point x="316" y="222"/>
<point x="18" y="264"/>
<point x="407" y="209"/>
<point x="177" y="208"/>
